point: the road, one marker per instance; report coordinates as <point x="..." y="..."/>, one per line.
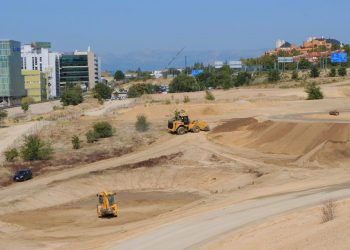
<point x="191" y="233"/>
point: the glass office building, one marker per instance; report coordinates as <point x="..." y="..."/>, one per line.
<point x="80" y="68"/>
<point x="74" y="69"/>
<point x="11" y="79"/>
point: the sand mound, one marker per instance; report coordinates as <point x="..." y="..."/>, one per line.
<point x="327" y="142"/>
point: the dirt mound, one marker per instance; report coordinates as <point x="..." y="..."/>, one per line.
<point x="333" y="152"/>
<point x="234" y="124"/>
<point x="327" y="142"/>
<point x="143" y="164"/>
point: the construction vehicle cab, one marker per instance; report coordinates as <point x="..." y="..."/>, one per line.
<point x="107" y="205"/>
<point x="182" y="124"/>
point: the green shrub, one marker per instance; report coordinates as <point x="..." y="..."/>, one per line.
<point x="184" y="83"/>
<point x="102" y="91"/>
<point x="342" y="71"/>
<point x="314" y="92"/>
<point x="314" y="72"/>
<point x="91" y="136"/>
<point x="76" y="142"/>
<point x="243" y="78"/>
<point x="25" y="102"/>
<point x="35" y="149"/>
<point x="274" y="76"/>
<point x="11" y="154"/>
<point x="72" y="95"/>
<point x="295" y="75"/>
<point x="25" y="107"/>
<point x="139" y="89"/>
<point x="103" y="129"/>
<point x="209" y="95"/>
<point x="332" y="73"/>
<point x="186" y="99"/>
<point x="3" y="114"/>
<point x="142" y="124"/>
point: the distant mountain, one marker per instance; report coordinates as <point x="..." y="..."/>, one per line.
<point x="159" y="59"/>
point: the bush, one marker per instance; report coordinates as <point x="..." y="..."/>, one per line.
<point x="140" y="89"/>
<point x="142" y="124"/>
<point x="11" y="154"/>
<point x="295" y="75"/>
<point x="243" y="78"/>
<point x="328" y="211"/>
<point x="103" y="91"/>
<point x="25" y="102"/>
<point x="76" y="142"/>
<point x="314" y="72"/>
<point x="313" y="92"/>
<point x="342" y="71"/>
<point x="167" y="102"/>
<point x="91" y="136"/>
<point x="184" y="83"/>
<point x="35" y="149"/>
<point x="186" y="99"/>
<point x="274" y="76"/>
<point x="25" y="107"/>
<point x="222" y="79"/>
<point x="209" y="95"/>
<point x="72" y="95"/>
<point x="3" y="114"/>
<point x="103" y="129"/>
<point x="332" y="73"/>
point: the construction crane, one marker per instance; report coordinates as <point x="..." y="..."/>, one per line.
<point x="176" y="56"/>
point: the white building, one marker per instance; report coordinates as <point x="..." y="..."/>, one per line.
<point x="157" y="74"/>
<point x="37" y="56"/>
<point x="279" y="43"/>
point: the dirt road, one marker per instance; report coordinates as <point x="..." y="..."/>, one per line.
<point x="191" y="233"/>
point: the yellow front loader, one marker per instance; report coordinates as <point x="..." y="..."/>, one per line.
<point x="182" y="124"/>
<point x="107" y="205"/>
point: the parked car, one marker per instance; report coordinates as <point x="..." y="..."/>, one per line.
<point x="334" y="112"/>
<point x="23" y="175"/>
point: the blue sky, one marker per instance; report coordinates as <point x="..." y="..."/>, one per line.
<point x="118" y="29"/>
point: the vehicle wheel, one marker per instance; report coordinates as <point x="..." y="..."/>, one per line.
<point x="207" y="128"/>
<point x="181" y="131"/>
<point x="196" y="129"/>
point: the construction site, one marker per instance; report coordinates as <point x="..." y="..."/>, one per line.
<point x="257" y="179"/>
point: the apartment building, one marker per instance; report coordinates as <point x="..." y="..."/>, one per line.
<point x="37" y="56"/>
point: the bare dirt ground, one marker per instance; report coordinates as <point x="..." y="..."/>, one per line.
<point x="295" y="230"/>
<point x="270" y="150"/>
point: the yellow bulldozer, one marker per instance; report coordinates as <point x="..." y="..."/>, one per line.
<point x="107" y="205"/>
<point x="182" y="124"/>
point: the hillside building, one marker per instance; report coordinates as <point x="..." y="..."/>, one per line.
<point x="312" y="49"/>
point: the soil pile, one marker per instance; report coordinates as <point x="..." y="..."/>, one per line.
<point x="323" y="142"/>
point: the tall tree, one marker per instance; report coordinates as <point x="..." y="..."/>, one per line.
<point x="119" y="75"/>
